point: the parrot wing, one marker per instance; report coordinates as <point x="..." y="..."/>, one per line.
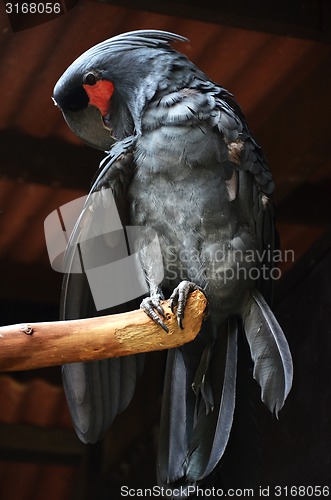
<point x="269" y="350"/>
<point x="98" y="390"/>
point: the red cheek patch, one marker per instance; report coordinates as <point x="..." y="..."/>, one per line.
<point x="100" y="95"/>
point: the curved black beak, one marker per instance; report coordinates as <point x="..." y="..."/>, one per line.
<point x="89" y="126"/>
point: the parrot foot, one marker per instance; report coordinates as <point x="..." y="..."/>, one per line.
<point x="179" y="298"/>
<point x="152" y="307"/>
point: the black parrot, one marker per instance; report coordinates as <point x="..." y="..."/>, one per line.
<point x="181" y="161"/>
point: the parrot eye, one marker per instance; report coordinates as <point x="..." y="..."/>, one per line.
<point x="90" y="79"/>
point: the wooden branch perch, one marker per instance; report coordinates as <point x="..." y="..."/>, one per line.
<point x="37" y="345"/>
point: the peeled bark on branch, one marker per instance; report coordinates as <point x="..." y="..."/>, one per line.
<point x="38" y="345"/>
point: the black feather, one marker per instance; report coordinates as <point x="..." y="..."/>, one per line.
<point x="270" y="352"/>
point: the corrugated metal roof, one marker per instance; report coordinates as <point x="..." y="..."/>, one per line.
<point x="20" y="402"/>
<point x="34" y="463"/>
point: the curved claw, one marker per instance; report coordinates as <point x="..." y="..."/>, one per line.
<point x="149" y="305"/>
<point x="179" y="298"/>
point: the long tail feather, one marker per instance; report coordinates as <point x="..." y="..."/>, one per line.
<point x="273" y="368"/>
<point x="212" y="431"/>
<point x="198" y="408"/>
<point x="172" y="449"/>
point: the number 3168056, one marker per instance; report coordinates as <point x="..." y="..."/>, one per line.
<point x="33" y="8"/>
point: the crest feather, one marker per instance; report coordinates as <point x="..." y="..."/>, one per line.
<point x="134" y="40"/>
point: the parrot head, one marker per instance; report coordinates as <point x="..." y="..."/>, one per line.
<point x="102" y="93"/>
